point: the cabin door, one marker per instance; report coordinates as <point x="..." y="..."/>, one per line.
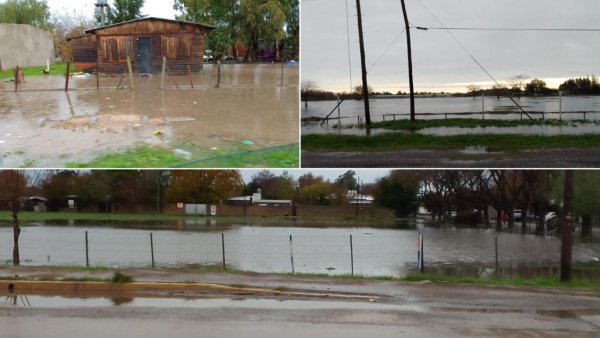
<point x="143" y="49"/>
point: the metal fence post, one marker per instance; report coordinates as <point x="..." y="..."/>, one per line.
<point x="87" y="256"/>
<point x="351" y="257"/>
<point x="496" y="245"/>
<point x="162" y="73"/>
<point x="292" y="253"/>
<point x="152" y="249"/>
<point x="223" y="250"/>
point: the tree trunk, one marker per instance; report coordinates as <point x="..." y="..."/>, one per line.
<point x="16" y="234"/>
<point x="586" y="227"/>
<point x="486" y="216"/>
<point x="498" y="220"/>
<point x="566" y="248"/>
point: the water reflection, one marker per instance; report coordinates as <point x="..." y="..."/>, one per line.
<point x="377" y="251"/>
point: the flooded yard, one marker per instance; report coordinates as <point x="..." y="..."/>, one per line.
<point x="352" y="113"/>
<point x="52" y="128"/>
<point x="267" y="248"/>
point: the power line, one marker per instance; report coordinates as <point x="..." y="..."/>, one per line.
<point x="472" y="57"/>
<point x="348" y="35"/>
<point x="510" y="29"/>
<point x="386" y="50"/>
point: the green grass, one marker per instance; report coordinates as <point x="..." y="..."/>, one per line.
<point x="141" y="157"/>
<point x="539" y="282"/>
<point x="237" y="157"/>
<point x="399" y="141"/>
<point x="57" y="69"/>
<point x="472" y="123"/>
<point x="284" y="157"/>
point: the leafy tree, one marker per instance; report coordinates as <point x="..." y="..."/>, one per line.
<point x="536" y="86"/>
<point x="30" y="12"/>
<point x="261" y="20"/>
<point x="204" y="186"/>
<point x="398" y="191"/>
<point x="223" y="14"/>
<point x="121" y="11"/>
<point x="347" y="180"/>
<point x="581" y="86"/>
<point x="13" y="184"/>
<point x="273" y="186"/>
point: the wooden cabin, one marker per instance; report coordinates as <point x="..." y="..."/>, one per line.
<point x="146" y="41"/>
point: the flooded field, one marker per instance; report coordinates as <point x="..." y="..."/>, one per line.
<point x="267" y="249"/>
<point x="541" y="130"/>
<point x="352" y="112"/>
<point x="52" y="128"/>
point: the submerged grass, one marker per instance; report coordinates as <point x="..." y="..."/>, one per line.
<point x="57" y="69"/>
<point x="398" y="141"/>
<point x="473" y="123"/>
<point x="150" y="157"/>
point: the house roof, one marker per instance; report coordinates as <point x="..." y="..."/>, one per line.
<point x="89" y="31"/>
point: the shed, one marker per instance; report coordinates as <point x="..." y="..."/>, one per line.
<point x="146" y="41"/>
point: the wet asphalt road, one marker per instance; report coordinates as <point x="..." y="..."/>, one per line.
<point x="401" y="309"/>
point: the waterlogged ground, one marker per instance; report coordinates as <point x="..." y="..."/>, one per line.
<point x="390" y="252"/>
<point x="53" y="128"/>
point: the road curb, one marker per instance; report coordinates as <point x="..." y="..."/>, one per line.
<point x="70" y="287"/>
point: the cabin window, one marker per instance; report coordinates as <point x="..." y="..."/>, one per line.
<point x="117" y="49"/>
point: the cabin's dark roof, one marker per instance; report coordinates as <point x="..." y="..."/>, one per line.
<point x="89" y="31"/>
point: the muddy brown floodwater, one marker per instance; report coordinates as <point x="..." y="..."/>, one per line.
<point x="51" y="128"/>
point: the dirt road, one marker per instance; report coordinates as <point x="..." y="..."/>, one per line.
<point x="552" y="158"/>
<point x="391" y="309"/>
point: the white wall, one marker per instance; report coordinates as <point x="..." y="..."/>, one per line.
<point x="24" y="45"/>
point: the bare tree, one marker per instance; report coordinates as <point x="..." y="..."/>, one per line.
<point x="473" y="89"/>
<point x="517" y="82"/>
<point x="307" y="88"/>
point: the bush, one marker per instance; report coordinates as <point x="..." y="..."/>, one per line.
<point x="121" y="278"/>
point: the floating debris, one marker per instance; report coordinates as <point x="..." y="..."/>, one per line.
<point x="158" y="132"/>
<point x="248" y="142"/>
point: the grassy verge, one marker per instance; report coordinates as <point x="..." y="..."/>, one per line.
<point x="25" y="216"/>
<point x="472" y="123"/>
<point x="150" y="157"/>
<point x="57" y="69"/>
<point x="538" y="282"/>
<point x="121" y="276"/>
<point x="399" y="141"/>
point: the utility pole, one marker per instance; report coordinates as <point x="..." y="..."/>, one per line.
<point x="410" y="68"/>
<point x="363" y="65"/>
<point x="566" y="243"/>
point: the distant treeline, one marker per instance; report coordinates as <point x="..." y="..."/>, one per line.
<point x="536" y="87"/>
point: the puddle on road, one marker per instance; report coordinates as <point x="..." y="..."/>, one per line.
<point x="51" y="128"/>
<point x="241" y="303"/>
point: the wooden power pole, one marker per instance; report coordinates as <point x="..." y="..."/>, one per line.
<point x="410" y="68"/>
<point x="566" y="247"/>
<point x="363" y="65"/>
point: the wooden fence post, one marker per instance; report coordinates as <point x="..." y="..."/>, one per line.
<point x="67" y="75"/>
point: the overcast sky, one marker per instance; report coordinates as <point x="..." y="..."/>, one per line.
<point x="366" y="175"/>
<point x="439" y="62"/>
<point x="155" y="8"/>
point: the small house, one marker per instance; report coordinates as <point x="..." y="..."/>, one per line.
<point x="146" y="41"/>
